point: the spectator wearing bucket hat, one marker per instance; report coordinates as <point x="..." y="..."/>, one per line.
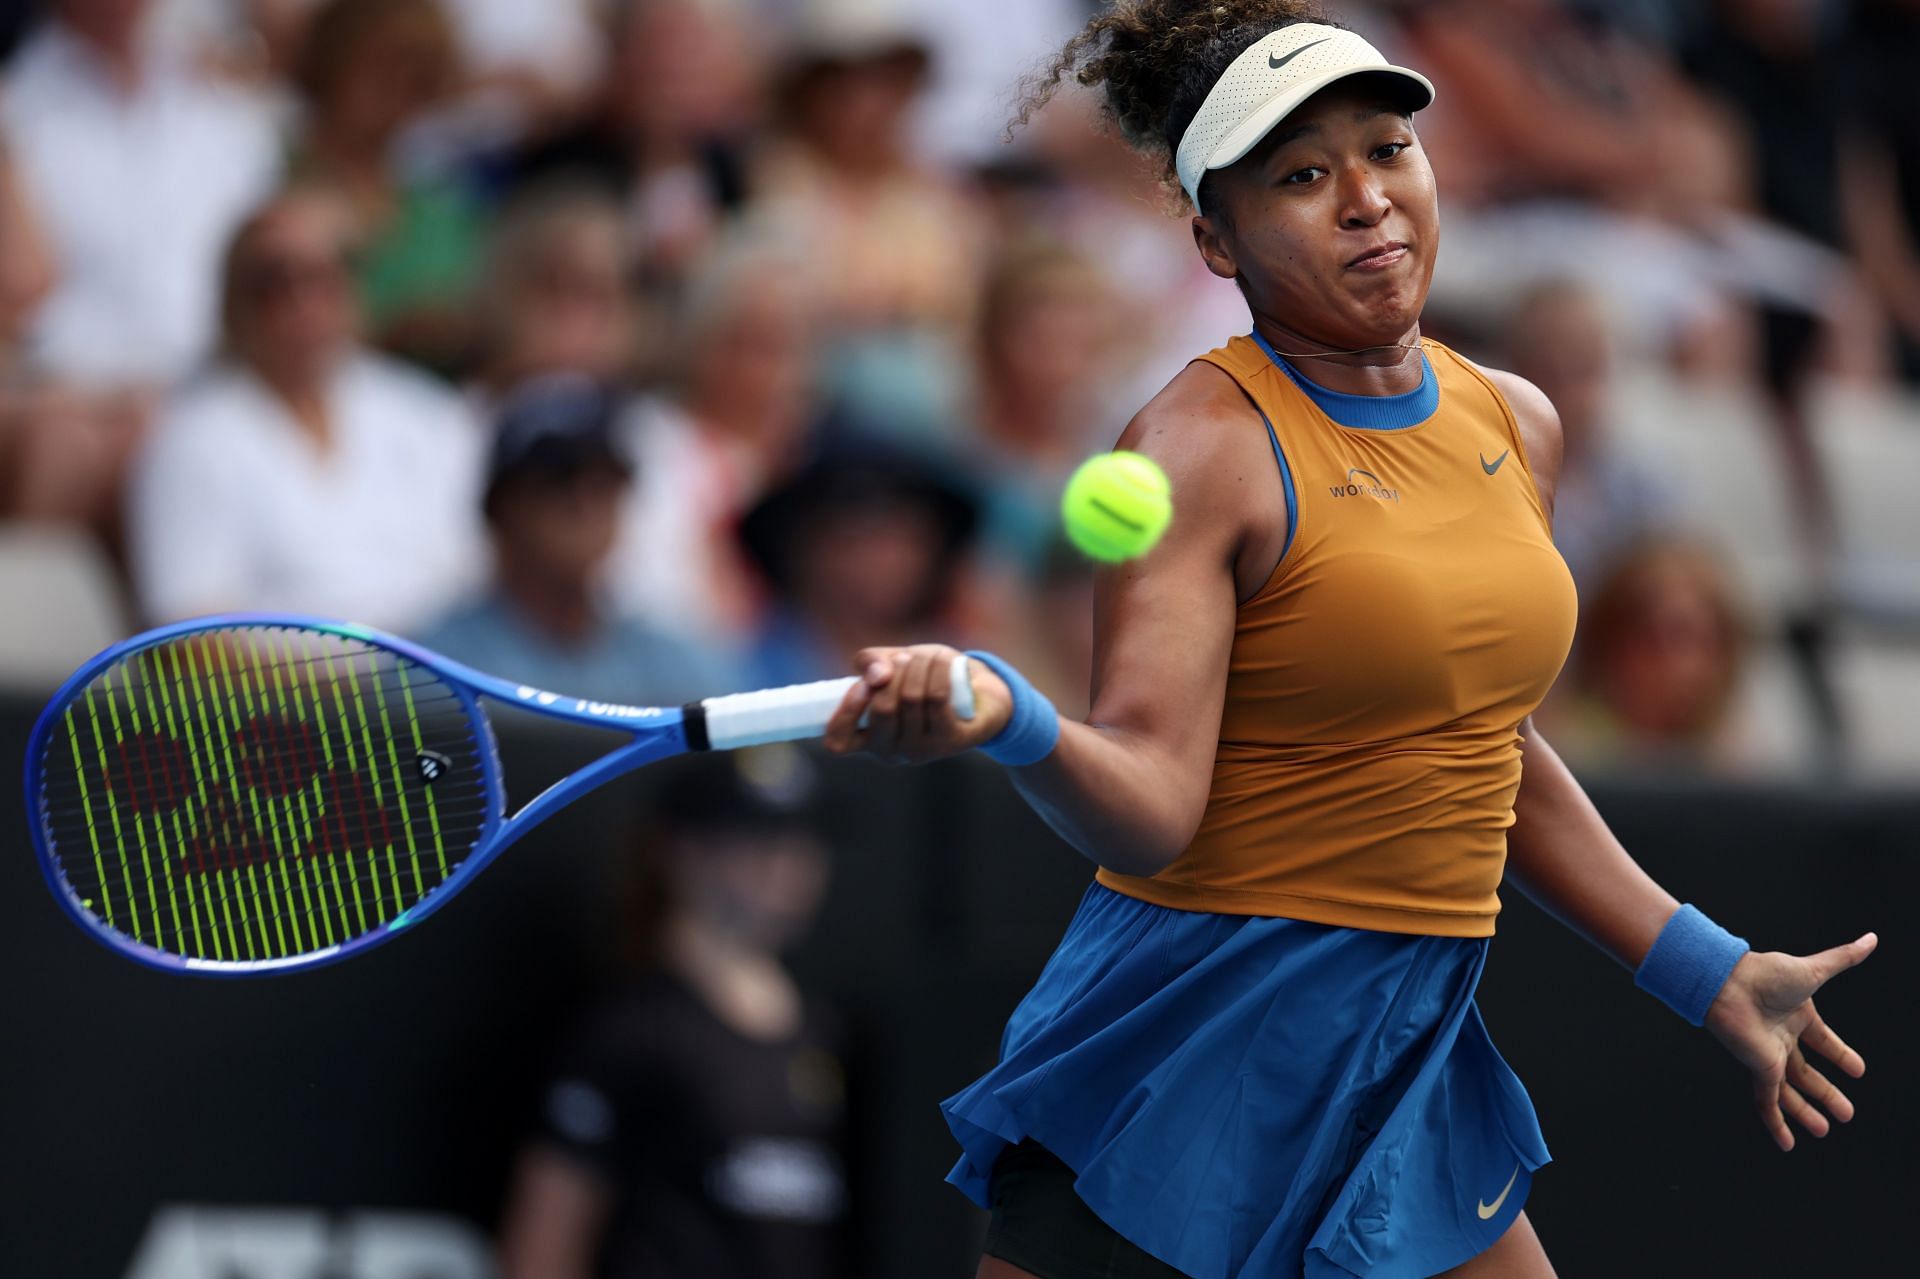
<point x="557" y="478"/>
<point x="864" y="539"/>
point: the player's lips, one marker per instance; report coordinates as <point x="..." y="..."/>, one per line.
<point x="1380" y="255"/>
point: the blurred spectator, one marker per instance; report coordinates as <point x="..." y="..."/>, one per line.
<point x="846" y="183"/>
<point x="1772" y="64"/>
<point x="554" y="295"/>
<point x="736" y="418"/>
<point x="26" y="264"/>
<point x="1553" y="133"/>
<point x="694" y="1128"/>
<point x="1540" y="104"/>
<point x="139" y="168"/>
<point x="368" y="69"/>
<point x="556" y="483"/>
<point x="985" y="51"/>
<point x="1607" y="498"/>
<point x="862" y="546"/>
<point x="301" y="471"/>
<point x="668" y="135"/>
<point x="228" y="39"/>
<point x="1664" y="24"/>
<point x="15" y="21"/>
<point x="530" y="65"/>
<point x="1881" y="162"/>
<point x="1047" y="336"/>
<point x="1107" y="202"/>
<point x="1659" y="676"/>
<point x="64" y="452"/>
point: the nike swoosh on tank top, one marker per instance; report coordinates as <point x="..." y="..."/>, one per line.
<point x="1370" y="749"/>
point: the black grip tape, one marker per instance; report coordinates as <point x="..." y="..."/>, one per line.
<point x="693" y="719"/>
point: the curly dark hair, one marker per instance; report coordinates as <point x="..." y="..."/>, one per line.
<point x="1157" y="60"/>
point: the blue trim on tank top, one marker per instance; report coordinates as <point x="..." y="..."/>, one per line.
<point x="1365" y="412"/>
<point x="1286" y="485"/>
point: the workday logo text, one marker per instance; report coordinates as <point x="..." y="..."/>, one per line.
<point x="1364" y="484"/>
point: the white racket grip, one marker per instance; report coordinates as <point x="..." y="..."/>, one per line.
<point x="800" y="710"/>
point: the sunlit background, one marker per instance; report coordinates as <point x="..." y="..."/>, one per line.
<point x="648" y="349"/>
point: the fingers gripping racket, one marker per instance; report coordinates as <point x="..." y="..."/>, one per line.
<point x="255" y="793"/>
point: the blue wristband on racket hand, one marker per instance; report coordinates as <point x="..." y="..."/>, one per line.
<point x="1034" y="727"/>
<point x="1690" y="961"/>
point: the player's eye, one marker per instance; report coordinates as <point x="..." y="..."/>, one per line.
<point x="1389" y="151"/>
<point x="1301" y="177"/>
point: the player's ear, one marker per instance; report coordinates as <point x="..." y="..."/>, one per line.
<point x="1213" y="246"/>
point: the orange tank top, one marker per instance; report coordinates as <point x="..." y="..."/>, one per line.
<point x="1370" y="748"/>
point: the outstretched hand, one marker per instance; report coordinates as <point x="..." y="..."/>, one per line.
<point x="1765" y="1017"/>
<point x="899" y="708"/>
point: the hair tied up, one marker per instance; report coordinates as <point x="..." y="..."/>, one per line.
<point x="1156" y="60"/>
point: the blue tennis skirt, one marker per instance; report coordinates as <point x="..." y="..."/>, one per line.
<point x="1255" y="1098"/>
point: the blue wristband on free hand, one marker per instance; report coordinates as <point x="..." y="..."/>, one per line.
<point x="1690" y="961"/>
<point x="1033" y="728"/>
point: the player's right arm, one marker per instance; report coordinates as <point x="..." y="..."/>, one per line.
<point x="1128" y="786"/>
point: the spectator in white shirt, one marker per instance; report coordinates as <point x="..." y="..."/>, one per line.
<point x="139" y="168"/>
<point x="302" y="472"/>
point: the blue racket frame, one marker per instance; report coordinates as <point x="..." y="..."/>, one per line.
<point x="658" y="732"/>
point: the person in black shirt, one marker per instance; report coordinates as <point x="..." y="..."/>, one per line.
<point x="694" y="1126"/>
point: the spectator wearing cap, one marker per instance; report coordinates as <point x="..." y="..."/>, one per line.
<point x="139" y="168"/>
<point x="300" y="471"/>
<point x="862" y="541"/>
<point x="556" y="484"/>
<point x="694" y="1121"/>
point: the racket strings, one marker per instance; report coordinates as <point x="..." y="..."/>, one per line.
<point x="260" y="792"/>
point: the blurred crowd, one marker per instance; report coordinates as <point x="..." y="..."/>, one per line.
<point x="645" y="349"/>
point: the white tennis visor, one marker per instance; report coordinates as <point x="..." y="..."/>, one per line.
<point x="1273" y="76"/>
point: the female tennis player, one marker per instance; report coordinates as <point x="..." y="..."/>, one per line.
<point x="1256" y="1051"/>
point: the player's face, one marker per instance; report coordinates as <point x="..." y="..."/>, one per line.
<point x="1330" y="225"/>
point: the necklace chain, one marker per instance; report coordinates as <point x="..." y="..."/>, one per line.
<point x="1322" y="355"/>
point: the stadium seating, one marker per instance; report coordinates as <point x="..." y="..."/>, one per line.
<point x="63" y="605"/>
<point x="1869" y="445"/>
<point x="1717" y="450"/>
<point x="1877" y="680"/>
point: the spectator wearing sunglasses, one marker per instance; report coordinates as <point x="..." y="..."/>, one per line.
<point x="300" y="471"/>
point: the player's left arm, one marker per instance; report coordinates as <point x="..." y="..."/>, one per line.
<point x="1561" y="854"/>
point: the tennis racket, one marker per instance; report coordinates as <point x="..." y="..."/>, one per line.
<point x="258" y="793"/>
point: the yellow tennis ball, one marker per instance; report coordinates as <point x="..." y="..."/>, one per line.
<point x="1117" y="505"/>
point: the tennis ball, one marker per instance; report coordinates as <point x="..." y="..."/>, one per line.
<point x="1117" y="505"/>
